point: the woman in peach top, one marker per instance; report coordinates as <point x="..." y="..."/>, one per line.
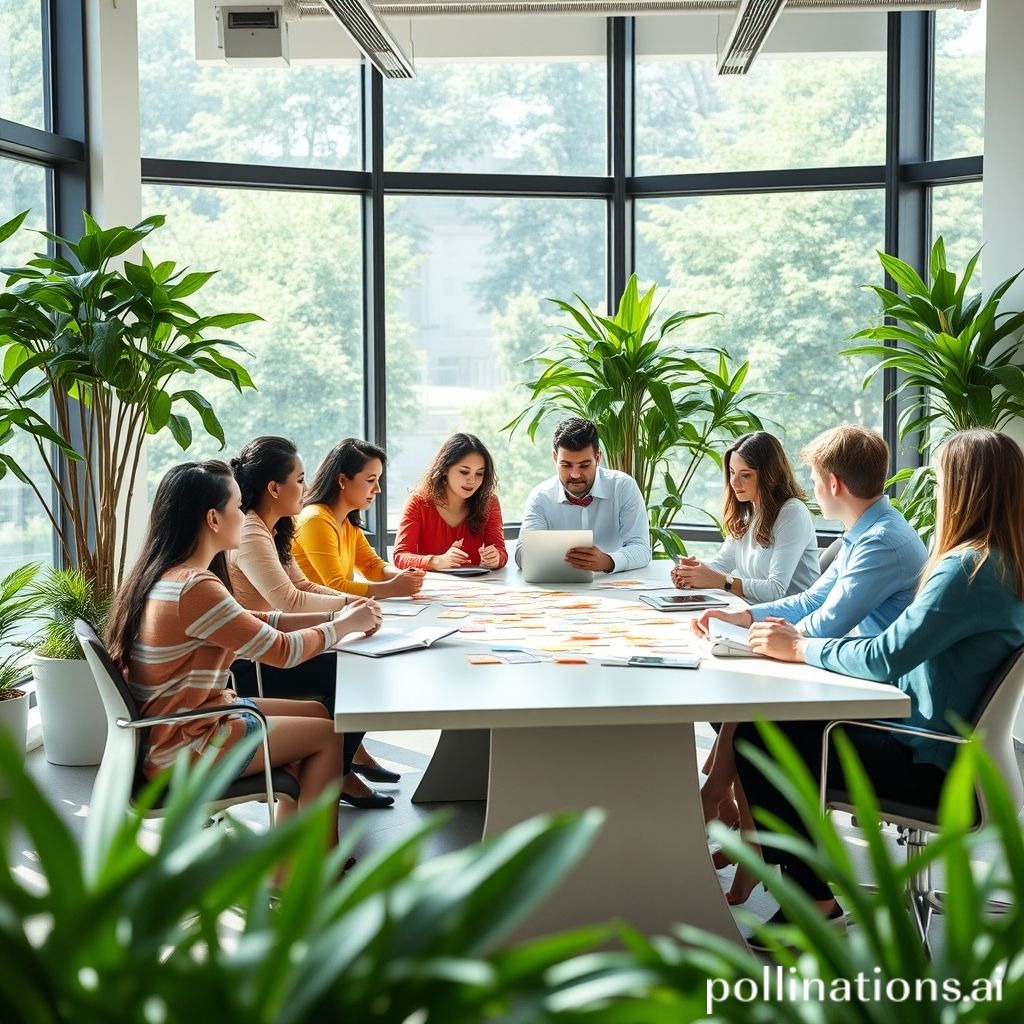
<point x="265" y="576"/>
<point x="329" y="544"/>
<point x="453" y="518"/>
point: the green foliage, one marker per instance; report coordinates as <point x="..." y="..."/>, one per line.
<point x="648" y="397"/>
<point x="955" y="355"/>
<point x="19" y="604"/>
<point x="66" y="595"/>
<point x="883" y="943"/>
<point x="108" y="346"/>
<point x="185" y="928"/>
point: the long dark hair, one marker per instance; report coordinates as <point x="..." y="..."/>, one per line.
<point x="776" y="484"/>
<point x="186" y="493"/>
<point x="262" y="460"/>
<point x="434" y="485"/>
<point x="348" y="457"/>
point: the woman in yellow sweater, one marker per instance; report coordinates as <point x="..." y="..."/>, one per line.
<point x="329" y="545"/>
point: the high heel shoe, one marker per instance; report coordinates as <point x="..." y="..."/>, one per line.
<point x="375" y="773"/>
<point x="371" y="802"/>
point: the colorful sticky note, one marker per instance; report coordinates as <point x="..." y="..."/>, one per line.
<point x="569" y="661"/>
<point x="452" y="615"/>
<point x="483" y="659"/>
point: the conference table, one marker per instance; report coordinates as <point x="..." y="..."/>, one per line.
<point x="543" y="737"/>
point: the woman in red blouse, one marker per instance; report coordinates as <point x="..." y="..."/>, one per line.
<point x="453" y="518"/>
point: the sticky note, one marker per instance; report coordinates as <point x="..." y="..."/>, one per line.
<point x="471" y="627"/>
<point x="483" y="659"/>
<point x="452" y="615"/>
<point x="569" y="661"/>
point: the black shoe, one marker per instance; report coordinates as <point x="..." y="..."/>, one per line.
<point x="836" y="918"/>
<point x="375" y="773"/>
<point x="372" y="802"/>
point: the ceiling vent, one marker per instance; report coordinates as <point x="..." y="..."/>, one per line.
<point x="372" y="36"/>
<point x="754" y="20"/>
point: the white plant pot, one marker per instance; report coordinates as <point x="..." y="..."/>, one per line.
<point x="70" y="711"/>
<point x="14" y="719"/>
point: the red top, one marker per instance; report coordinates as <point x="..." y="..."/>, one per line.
<point x="422" y="533"/>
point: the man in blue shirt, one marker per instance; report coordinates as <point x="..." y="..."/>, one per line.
<point x="875" y="575"/>
<point x="583" y="495"/>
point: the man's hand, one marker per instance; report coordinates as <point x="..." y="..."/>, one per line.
<point x="778" y="639"/>
<point x="592" y="559"/>
<point x="700" y="625"/>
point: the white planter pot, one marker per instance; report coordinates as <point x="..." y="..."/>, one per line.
<point x="14" y="720"/>
<point x="70" y="711"/>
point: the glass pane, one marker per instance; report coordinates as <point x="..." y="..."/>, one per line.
<point x="787" y="273"/>
<point x="959" y="83"/>
<point x="956" y="216"/>
<point x="512" y="118"/>
<point x="25" y="532"/>
<point x="21" y="62"/>
<point x="787" y="112"/>
<point x="467" y="281"/>
<point x="294" y="116"/>
<point x="307" y="356"/>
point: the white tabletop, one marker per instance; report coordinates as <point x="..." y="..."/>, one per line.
<point x="439" y="689"/>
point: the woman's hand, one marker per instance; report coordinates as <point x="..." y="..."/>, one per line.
<point x="700" y="625"/>
<point x="693" y="573"/>
<point x="360" y="615"/>
<point x="453" y="558"/>
<point x="402" y="584"/>
<point x="489" y="556"/>
<point x="778" y="639"/>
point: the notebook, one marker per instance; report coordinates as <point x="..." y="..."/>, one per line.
<point x="465" y="570"/>
<point x="393" y="640"/>
<point x="729" y="640"/>
<point x="683" y="602"/>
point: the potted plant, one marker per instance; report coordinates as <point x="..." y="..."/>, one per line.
<point x="18" y="606"/>
<point x="648" y="397"/>
<point x="956" y="359"/>
<point x="106" y="344"/>
<point x="71" y="713"/>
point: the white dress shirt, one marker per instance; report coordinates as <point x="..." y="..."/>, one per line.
<point x="788" y="566"/>
<point x="617" y="516"/>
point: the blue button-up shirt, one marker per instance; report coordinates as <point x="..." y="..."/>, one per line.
<point x="617" y="515"/>
<point x="867" y="587"/>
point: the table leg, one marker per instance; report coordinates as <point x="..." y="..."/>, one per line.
<point x="458" y="768"/>
<point x="650" y="864"/>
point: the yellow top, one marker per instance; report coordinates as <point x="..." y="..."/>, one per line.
<point x="329" y="553"/>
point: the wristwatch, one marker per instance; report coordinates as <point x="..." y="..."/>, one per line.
<point x="730" y="579"/>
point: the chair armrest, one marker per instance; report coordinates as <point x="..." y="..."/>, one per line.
<point x="178" y="716"/>
<point x="907" y="730"/>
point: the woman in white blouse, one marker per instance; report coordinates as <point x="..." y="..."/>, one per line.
<point x="770" y="551"/>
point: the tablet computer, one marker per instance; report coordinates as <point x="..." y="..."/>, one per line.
<point x="544" y="556"/>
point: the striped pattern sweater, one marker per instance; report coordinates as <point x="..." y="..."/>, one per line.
<point x="192" y="629"/>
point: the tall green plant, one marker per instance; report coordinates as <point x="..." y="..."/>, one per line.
<point x="66" y="595"/>
<point x="108" y="342"/>
<point x="19" y="604"/>
<point x="955" y="358"/>
<point x="649" y="398"/>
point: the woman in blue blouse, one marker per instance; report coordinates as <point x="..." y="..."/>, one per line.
<point x="943" y="651"/>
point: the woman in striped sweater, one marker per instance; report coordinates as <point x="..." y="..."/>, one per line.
<point x="176" y="627"/>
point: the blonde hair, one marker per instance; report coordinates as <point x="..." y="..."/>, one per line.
<point x="981" y="504"/>
<point x="857" y="456"/>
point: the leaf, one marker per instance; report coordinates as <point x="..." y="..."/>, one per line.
<point x="181" y="430"/>
<point x="10" y="227"/>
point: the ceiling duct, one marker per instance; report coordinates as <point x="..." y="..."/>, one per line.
<point x="372" y="36"/>
<point x="754" y="20"/>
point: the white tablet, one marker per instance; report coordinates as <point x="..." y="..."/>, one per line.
<point x="544" y="556"/>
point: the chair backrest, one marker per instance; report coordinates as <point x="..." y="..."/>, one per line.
<point x="826" y="556"/>
<point x="993" y="723"/>
<point x="118" y="703"/>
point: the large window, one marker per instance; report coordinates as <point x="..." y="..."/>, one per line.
<point x="956" y="216"/>
<point x="466" y="306"/>
<point x="25" y="534"/>
<point x="294" y="259"/>
<point x="786" y="273"/>
<point x="292" y="116"/>
<point x="787" y="112"/>
<point x="21" y="63"/>
<point x="959" y="83"/>
<point x="512" y="118"/>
